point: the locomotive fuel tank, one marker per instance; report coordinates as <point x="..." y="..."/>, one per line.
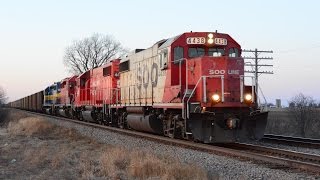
<point x="147" y="123"/>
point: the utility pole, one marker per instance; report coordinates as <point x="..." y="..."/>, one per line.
<point x="254" y="63"/>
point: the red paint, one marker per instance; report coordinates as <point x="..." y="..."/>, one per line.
<point x="98" y="86"/>
<point x="232" y="67"/>
<point x="67" y="94"/>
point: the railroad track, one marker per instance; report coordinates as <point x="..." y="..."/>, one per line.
<point x="290" y="140"/>
<point x="278" y="157"/>
<point x="306" y="161"/>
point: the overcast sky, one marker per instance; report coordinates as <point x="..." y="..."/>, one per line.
<point x="34" y="34"/>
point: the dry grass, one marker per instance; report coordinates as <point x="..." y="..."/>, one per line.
<point x="36" y="156"/>
<point x="59" y="157"/>
<point x="9" y="115"/>
<point x="3" y="116"/>
<point x="114" y="160"/>
<point x="29" y="126"/>
<point x="66" y="133"/>
<point x="54" y="150"/>
<point x="142" y="165"/>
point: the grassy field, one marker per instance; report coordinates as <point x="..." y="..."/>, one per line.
<point x="282" y="121"/>
<point x="33" y="148"/>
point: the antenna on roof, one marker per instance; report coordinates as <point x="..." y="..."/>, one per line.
<point x="216" y="31"/>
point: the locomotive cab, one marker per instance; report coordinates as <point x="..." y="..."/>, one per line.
<point x="218" y="105"/>
<point x="51" y="98"/>
<point x="67" y="96"/>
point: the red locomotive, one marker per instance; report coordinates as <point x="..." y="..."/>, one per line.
<point x="190" y="86"/>
<point x="95" y="91"/>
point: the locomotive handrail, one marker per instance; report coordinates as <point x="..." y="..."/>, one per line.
<point x="203" y="78"/>
<point x="117" y="95"/>
<point x="180" y="78"/>
<point x="241" y="88"/>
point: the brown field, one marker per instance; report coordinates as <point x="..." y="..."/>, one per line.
<point x="33" y="148"/>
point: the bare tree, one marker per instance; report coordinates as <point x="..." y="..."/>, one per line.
<point x="91" y="52"/>
<point x="304" y="109"/>
<point x="3" y="112"/>
<point x="3" y="97"/>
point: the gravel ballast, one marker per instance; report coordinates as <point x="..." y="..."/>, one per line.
<point x="218" y="167"/>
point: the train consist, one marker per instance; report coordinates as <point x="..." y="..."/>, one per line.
<point x="190" y="86"/>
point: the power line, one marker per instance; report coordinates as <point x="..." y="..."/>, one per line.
<point x="254" y="63"/>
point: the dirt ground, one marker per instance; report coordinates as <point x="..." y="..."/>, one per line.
<point x="33" y="148"/>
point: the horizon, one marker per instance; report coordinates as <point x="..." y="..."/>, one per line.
<point x="34" y="35"/>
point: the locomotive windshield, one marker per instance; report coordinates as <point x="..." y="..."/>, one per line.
<point x="212" y="52"/>
<point x="196" y="52"/>
<point x="216" y="52"/>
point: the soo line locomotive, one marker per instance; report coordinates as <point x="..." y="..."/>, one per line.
<point x="190" y="86"/>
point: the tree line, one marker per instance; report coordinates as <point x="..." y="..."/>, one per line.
<point x="3" y="97"/>
<point x="305" y="110"/>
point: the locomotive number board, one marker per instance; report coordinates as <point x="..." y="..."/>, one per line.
<point x="196" y="40"/>
<point x="220" y="41"/>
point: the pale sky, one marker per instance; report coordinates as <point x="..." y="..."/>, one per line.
<point x="34" y="34"/>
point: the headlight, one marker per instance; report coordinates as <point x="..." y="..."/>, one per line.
<point x="210" y="36"/>
<point x="215" y="97"/>
<point x="248" y="97"/>
<point x="210" y="41"/>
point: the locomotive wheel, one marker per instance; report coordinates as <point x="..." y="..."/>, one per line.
<point x="170" y="127"/>
<point x="122" y="120"/>
<point x="100" y="119"/>
<point x="73" y="114"/>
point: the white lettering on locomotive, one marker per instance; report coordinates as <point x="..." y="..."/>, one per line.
<point x="216" y="72"/>
<point x="196" y="40"/>
<point x="222" y="72"/>
<point x="233" y="72"/>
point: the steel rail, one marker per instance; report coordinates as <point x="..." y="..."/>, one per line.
<point x="297" y="141"/>
<point x="233" y="152"/>
<point x="307" y="157"/>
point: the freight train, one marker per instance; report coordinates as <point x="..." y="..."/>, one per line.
<point x="191" y="86"/>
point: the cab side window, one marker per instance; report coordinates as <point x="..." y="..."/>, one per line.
<point x="177" y="54"/>
<point x="82" y="83"/>
<point x="163" y="58"/>
<point x="107" y="71"/>
<point x="233" y="52"/>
